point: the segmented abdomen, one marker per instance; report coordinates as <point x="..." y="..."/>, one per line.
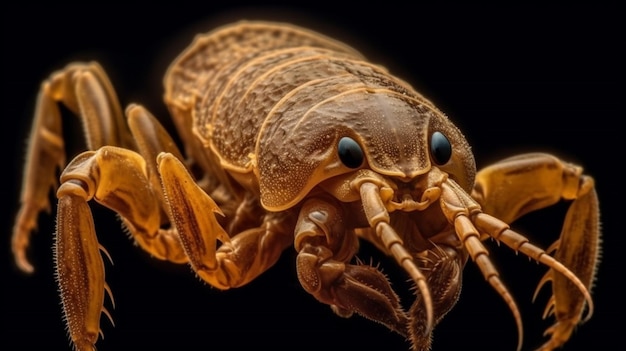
<point x="241" y="77"/>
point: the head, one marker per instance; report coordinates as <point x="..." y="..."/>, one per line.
<point x="394" y="139"/>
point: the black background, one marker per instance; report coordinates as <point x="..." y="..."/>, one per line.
<point x="515" y="78"/>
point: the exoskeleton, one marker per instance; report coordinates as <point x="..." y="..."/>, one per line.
<point x="292" y="139"/>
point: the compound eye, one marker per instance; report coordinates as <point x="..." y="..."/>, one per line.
<point x="440" y="148"/>
<point x="350" y="152"/>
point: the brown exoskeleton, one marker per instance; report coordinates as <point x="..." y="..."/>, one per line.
<point x="292" y="138"/>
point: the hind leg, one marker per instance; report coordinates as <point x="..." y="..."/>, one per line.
<point x="86" y="91"/>
<point x="515" y="186"/>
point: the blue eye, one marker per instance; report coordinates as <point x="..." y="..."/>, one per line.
<point x="440" y="148"/>
<point x="350" y="152"/>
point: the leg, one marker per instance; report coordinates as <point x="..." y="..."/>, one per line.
<point x="518" y="185"/>
<point x="239" y="259"/>
<point x="444" y="274"/>
<point x="118" y="179"/>
<point x="85" y="90"/>
<point x="442" y="266"/>
<point x="323" y="248"/>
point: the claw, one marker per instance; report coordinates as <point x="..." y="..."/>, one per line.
<point x="107" y="288"/>
<point x="544" y="280"/>
<point x="549" y="310"/>
<point x="108" y="314"/>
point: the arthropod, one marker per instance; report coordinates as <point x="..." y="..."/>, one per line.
<point x="292" y="139"/>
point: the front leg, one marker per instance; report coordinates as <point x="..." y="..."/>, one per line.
<point x="240" y="258"/>
<point x="518" y="185"/>
<point x="324" y="248"/>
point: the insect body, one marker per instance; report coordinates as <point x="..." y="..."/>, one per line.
<point x="293" y="139"/>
